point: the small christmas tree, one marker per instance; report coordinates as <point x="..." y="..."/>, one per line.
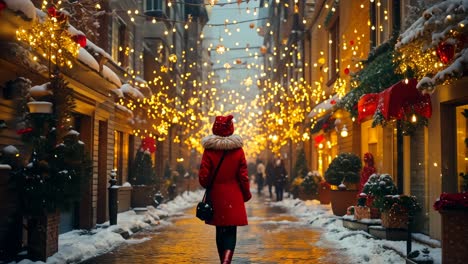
<point x="345" y="168"/>
<point x="300" y="168"/>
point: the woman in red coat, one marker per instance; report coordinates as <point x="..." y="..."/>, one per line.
<point x="230" y="188"/>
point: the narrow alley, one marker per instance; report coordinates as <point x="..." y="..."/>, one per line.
<point x="272" y="236"/>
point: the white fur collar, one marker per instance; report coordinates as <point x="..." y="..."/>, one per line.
<point x="224" y="143"/>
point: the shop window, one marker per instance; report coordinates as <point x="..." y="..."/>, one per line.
<point x="462" y="142"/>
<point x="119" y="40"/>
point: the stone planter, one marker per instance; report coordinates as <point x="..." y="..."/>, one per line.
<point x="341" y="200"/>
<point x="393" y="220"/>
<point x="43" y="232"/>
<point x="454" y="236"/>
<point x="40" y="107"/>
<point x="143" y="195"/>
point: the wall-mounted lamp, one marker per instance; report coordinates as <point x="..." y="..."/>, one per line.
<point x="344" y="131"/>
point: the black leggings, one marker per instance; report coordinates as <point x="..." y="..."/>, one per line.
<point x="226" y="237"/>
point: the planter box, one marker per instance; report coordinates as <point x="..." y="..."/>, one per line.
<point x="341" y="200"/>
<point x="43" y="232"/>
<point x="359" y="225"/>
<point x="394" y="220"/>
<point x="361" y="212"/>
<point x="454" y="236"/>
<point x="124" y="199"/>
<point x="143" y="195"/>
<point x="388" y="234"/>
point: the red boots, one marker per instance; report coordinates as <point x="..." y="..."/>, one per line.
<point x="227" y="256"/>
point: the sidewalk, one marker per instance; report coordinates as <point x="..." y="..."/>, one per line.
<point x="79" y="245"/>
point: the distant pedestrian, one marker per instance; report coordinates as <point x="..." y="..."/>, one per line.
<point x="281" y="177"/>
<point x="270" y="177"/>
<point x="230" y="189"/>
<point x="260" y="176"/>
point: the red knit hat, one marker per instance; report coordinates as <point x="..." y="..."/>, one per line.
<point x="223" y="126"/>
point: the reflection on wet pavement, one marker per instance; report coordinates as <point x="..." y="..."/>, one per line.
<point x="272" y="236"/>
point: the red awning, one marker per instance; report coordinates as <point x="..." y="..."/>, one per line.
<point x="402" y="98"/>
<point x="367" y="105"/>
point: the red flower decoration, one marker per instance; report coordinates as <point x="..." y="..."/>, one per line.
<point x="332" y="102"/>
<point x="351" y="42"/>
<point x="149" y="144"/>
<point x="2" y="5"/>
<point x="80" y="39"/>
<point x="24" y="131"/>
<point x="450" y="201"/>
<point x="346" y="71"/>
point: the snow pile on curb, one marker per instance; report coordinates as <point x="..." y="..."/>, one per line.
<point x="359" y="245"/>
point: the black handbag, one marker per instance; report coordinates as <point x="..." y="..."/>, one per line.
<point x="204" y="208"/>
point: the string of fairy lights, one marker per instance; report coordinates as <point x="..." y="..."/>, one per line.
<point x="274" y="117"/>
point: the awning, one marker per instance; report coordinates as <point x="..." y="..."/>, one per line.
<point x="403" y="97"/>
<point x="395" y="102"/>
<point x="324" y="106"/>
<point x="367" y="105"/>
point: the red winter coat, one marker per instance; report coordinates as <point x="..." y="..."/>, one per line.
<point x="231" y="185"/>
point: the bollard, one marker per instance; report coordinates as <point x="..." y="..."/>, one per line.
<point x="113" y="203"/>
<point x="158" y="198"/>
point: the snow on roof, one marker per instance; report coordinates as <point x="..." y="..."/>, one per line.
<point x="88" y="59"/>
<point x="324" y="106"/>
<point x="24" y="6"/>
<point x="435" y="25"/>
<point x="111" y="76"/>
<point x="128" y="89"/>
<point x="125" y="109"/>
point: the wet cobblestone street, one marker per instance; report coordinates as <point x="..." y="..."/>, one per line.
<point x="272" y="236"/>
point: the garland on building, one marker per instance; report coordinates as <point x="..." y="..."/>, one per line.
<point x="377" y="75"/>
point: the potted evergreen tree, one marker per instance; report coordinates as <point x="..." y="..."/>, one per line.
<point x="143" y="176"/>
<point x="343" y="174"/>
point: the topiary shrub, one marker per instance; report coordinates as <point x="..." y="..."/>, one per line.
<point x="345" y="168"/>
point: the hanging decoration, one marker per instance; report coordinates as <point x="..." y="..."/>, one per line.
<point x="80" y="39"/>
<point x="445" y="51"/>
<point x="367" y="105"/>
